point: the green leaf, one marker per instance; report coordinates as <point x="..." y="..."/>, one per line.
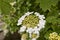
<point x="0" y="11"/>
<point x="9" y="0"/>
<point x="5" y="7"/>
<point x="47" y="34"/>
<point x="51" y="19"/>
<point x="46" y="4"/>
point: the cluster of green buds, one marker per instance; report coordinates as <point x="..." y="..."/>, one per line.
<point x="30" y="21"/>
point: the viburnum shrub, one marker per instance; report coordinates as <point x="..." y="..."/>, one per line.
<point x="32" y="19"/>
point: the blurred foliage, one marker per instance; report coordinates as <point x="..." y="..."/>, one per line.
<point x="5" y="7"/>
<point x="49" y="8"/>
<point x="46" y="4"/>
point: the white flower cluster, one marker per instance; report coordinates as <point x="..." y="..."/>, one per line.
<point x="31" y="30"/>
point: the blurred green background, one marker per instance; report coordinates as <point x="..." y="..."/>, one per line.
<point x="9" y="14"/>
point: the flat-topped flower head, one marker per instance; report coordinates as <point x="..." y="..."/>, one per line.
<point x="32" y="23"/>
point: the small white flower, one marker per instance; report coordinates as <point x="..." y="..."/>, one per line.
<point x="36" y="28"/>
<point x="19" y="23"/>
<point x="40" y="28"/>
<point x="41" y="17"/>
<point x="28" y="13"/>
<point x="20" y="20"/>
<point x="22" y="29"/>
<point x="29" y="30"/>
<point x="37" y="14"/>
<point x="36" y="32"/>
<point x="42" y="23"/>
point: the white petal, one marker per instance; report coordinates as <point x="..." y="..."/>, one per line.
<point x="42" y="22"/>
<point x="20" y="20"/>
<point x="28" y="13"/>
<point x="22" y="29"/>
<point x="36" y="28"/>
<point x="41" y="17"/>
<point x="37" y="14"/>
<point x="29" y="30"/>
<point x="36" y="32"/>
<point x="19" y="24"/>
<point x="40" y="26"/>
